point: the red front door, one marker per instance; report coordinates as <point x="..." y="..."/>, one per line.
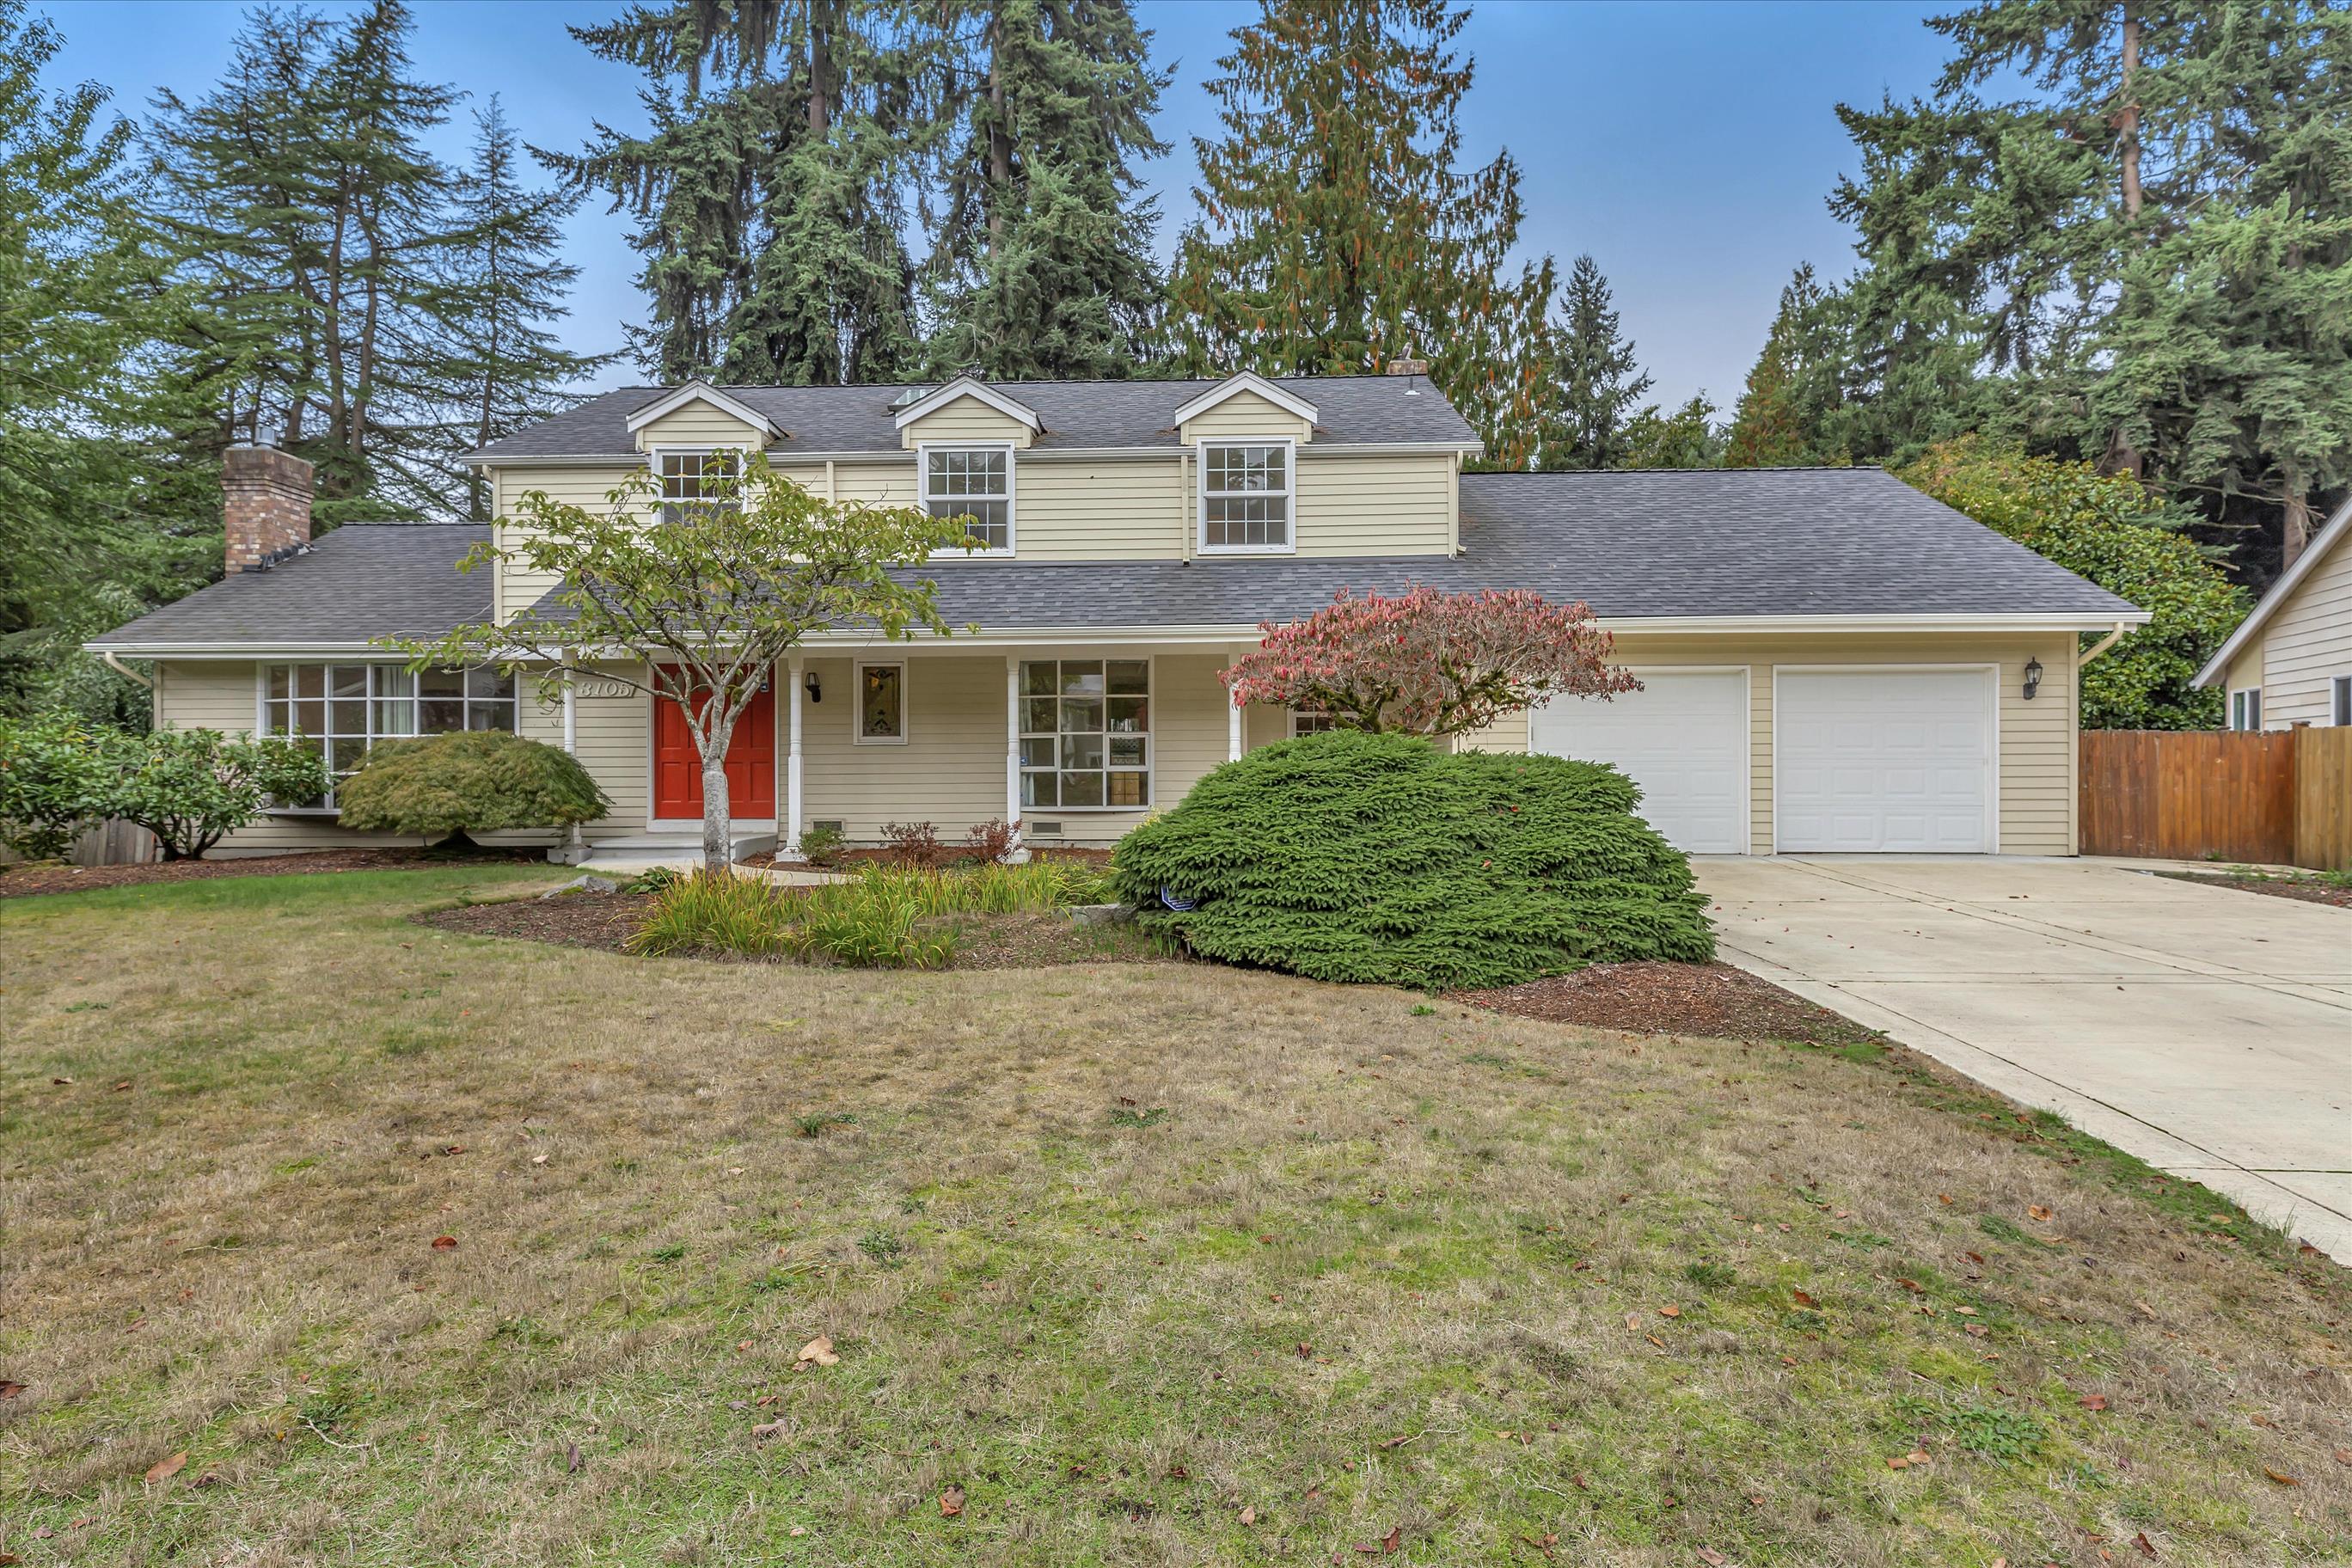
<point x="751" y="763"/>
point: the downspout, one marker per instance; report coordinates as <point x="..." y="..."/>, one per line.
<point x="113" y="661"/>
<point x="2100" y="646"/>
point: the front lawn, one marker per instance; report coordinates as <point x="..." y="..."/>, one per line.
<point x="430" y="1248"/>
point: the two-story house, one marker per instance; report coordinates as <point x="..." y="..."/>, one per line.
<point x="1830" y="661"/>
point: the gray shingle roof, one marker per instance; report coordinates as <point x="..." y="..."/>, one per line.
<point x="1728" y="542"/>
<point x="363" y="580"/>
<point x="1076" y="413"/>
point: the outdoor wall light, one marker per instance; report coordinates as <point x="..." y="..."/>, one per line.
<point x="2032" y="678"/>
<point x="809" y="685"/>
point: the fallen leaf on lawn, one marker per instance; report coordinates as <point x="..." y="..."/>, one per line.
<point x="9" y="1390"/>
<point x="123" y="1085"/>
<point x="951" y="1502"/>
<point x="1305" y="1350"/>
<point x="539" y="1159"/>
<point x="818" y="1351"/>
<point x="1670" y="1311"/>
<point x="2217" y="1219"/>
<point x="1392" y="1541"/>
<point x="2281" y="1477"/>
<point x="1942" y="1198"/>
<point x="2093" y="1402"/>
<point x="2142" y="1541"/>
<point x="164" y="1470"/>
<point x="767" y="1429"/>
<point x="61" y="1081"/>
<point x="797" y="1529"/>
<point x="2259" y="1419"/>
<point x="1634" y="1321"/>
<point x="2039" y="1212"/>
<point x="1249" y="1516"/>
<point x="2344" y="1456"/>
<point x="1911" y="1285"/>
<point x="1711" y="1557"/>
<point x="444" y="1243"/>
<point x="1656" y="1341"/>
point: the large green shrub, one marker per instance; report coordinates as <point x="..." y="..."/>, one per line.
<point x="189" y="787"/>
<point x="52" y="783"/>
<point x="475" y="780"/>
<point x="1379" y="858"/>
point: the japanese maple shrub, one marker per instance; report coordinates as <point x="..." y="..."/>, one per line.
<point x="1429" y="663"/>
<point x="1380" y="858"/>
<point x="475" y="780"/>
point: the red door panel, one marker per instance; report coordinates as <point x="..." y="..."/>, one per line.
<point x="751" y="762"/>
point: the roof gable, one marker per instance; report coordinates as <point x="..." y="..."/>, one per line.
<point x="972" y="387"/>
<point x="703" y="392"/>
<point x="2329" y="538"/>
<point x="1247" y="380"/>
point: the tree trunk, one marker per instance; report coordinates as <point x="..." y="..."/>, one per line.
<point x="718" y="847"/>
<point x="2295" y="533"/>
<point x="819" y="98"/>
<point x="2127" y="119"/>
<point x="1000" y="143"/>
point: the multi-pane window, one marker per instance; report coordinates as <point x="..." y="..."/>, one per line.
<point x="691" y="481"/>
<point x="1310" y="721"/>
<point x="974" y="482"/>
<point x="1085" y="733"/>
<point x="1245" y="496"/>
<point x="343" y="708"/>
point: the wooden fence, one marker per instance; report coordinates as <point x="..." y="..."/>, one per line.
<point x="2275" y="797"/>
<point x="113" y="842"/>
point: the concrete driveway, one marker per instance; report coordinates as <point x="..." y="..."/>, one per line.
<point x="2207" y="1030"/>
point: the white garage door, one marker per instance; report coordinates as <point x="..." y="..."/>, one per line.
<point x="1883" y="762"/>
<point x="1683" y="738"/>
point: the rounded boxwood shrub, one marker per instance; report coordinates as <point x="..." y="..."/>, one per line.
<point x="475" y="780"/>
<point x="1378" y="858"/>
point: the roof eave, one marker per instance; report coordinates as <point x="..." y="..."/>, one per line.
<point x="2218" y="667"/>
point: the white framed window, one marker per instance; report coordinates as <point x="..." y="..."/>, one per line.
<point x="2339" y="703"/>
<point x="2246" y="708"/>
<point x="1085" y="734"/>
<point x="974" y="482"/>
<point x="881" y="708"/>
<point x="1310" y="721"/>
<point x="692" y="478"/>
<point x="1245" y="495"/>
<point x="342" y="709"/>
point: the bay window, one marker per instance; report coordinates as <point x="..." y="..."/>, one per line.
<point x="344" y="709"/>
<point x="1085" y="733"/>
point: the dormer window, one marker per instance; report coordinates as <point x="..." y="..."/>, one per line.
<point x="1245" y="496"/>
<point x="974" y="482"/>
<point x="696" y="478"/>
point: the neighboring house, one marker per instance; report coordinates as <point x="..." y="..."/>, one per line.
<point x="1832" y="661"/>
<point x="2290" y="661"/>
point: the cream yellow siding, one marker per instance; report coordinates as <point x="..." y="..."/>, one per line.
<point x="518" y="587"/>
<point x="698" y="425"/>
<point x="1373" y="505"/>
<point x="967" y="419"/>
<point x="1243" y="414"/>
<point x="2245" y="670"/>
<point x="2306" y="644"/>
<point x="1112" y="508"/>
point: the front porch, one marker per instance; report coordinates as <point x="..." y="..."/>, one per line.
<point x="1073" y="743"/>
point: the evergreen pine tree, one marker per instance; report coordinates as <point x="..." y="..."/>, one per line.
<point x="1340" y="232"/>
<point x="1599" y="379"/>
<point x="1791" y="396"/>
<point x="508" y="286"/>
<point x="1042" y="262"/>
<point x="1685" y="438"/>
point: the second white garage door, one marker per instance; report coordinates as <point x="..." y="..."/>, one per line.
<point x="1683" y="738"/>
<point x="1884" y="761"/>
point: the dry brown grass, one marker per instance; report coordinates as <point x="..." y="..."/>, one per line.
<point x="1070" y="1249"/>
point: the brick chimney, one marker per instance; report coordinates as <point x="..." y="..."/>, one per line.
<point x="265" y="502"/>
<point x="1405" y="367"/>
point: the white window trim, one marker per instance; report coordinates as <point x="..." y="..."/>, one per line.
<point x="1298" y="713"/>
<point x="1201" y="449"/>
<point x="261" y="715"/>
<point x="2339" y="699"/>
<point x="923" y="497"/>
<point x="1151" y="769"/>
<point x="2239" y="695"/>
<point x="857" y="734"/>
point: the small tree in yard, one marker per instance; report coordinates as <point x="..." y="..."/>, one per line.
<point x="473" y="781"/>
<point x="706" y="599"/>
<point x="1429" y="663"/>
<point x="189" y="787"/>
<point x="51" y="780"/>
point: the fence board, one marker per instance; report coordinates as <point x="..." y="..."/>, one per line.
<point x="2187" y="796"/>
<point x="2323" y="798"/>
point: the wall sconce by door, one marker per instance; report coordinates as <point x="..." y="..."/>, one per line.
<point x="2032" y="678"/>
<point x="809" y="684"/>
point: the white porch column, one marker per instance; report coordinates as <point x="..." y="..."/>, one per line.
<point x="1234" y="712"/>
<point x="792" y="845"/>
<point x="571" y="706"/>
<point x="1013" y="743"/>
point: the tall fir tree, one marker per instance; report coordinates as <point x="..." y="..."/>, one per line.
<point x="300" y="199"/>
<point x="772" y="186"/>
<point x="508" y="285"/>
<point x="1600" y="381"/>
<point x="1789" y="407"/>
<point x="1041" y="263"/>
<point x="1340" y="232"/>
<point x="1685" y="438"/>
<point x="94" y="527"/>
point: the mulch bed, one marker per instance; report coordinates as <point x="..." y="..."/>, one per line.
<point x="1027" y="941"/>
<point x="2308" y="889"/>
<point x="954" y="855"/>
<point x="23" y="881"/>
<point x="1710" y="999"/>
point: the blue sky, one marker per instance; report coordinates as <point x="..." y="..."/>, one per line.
<point x="1687" y="146"/>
